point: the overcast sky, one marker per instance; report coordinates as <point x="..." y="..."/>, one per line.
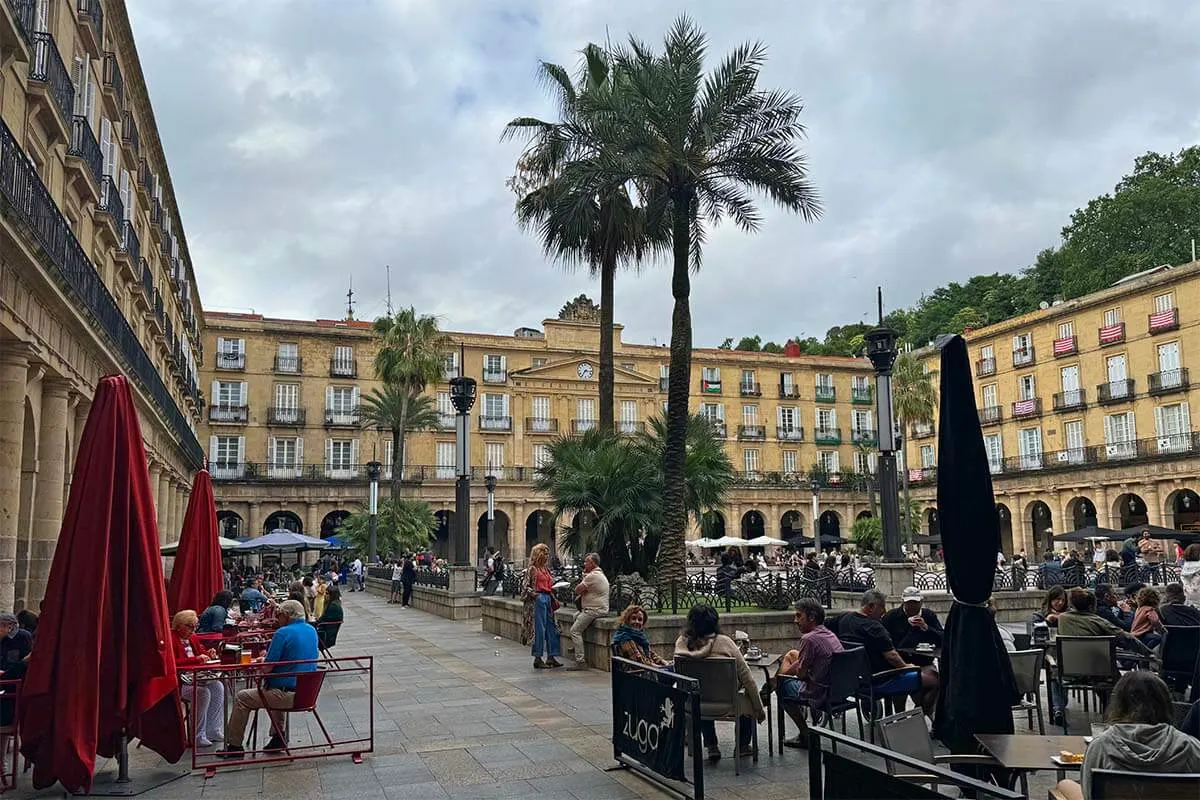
<point x="309" y="141"/>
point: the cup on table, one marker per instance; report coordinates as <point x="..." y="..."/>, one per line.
<point x="246" y="657"/>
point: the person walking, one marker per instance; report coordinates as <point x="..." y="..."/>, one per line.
<point x="592" y="596"/>
<point x="356" y="571"/>
<point x="408" y="576"/>
<point x="539" y="596"/>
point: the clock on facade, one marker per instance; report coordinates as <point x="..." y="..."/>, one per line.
<point x="585" y="370"/>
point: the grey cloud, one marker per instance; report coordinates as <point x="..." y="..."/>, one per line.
<point x="311" y="141"/>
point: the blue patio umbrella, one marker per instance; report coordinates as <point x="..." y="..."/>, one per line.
<point x="283" y="541"/>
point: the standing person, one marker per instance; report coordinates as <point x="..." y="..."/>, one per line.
<point x="498" y="571"/>
<point x="807" y="666"/>
<point x="538" y="583"/>
<point x="592" y="593"/>
<point x="489" y="575"/>
<point x="356" y="571"/>
<point x="397" y="581"/>
<point x="1189" y="574"/>
<point x="319" y="600"/>
<point x="206" y="696"/>
<point x="310" y="594"/>
<point x="408" y="576"/>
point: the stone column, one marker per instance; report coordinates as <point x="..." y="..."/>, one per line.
<point x="773" y="527"/>
<point x="164" y="506"/>
<point x="312" y="520"/>
<point x="14" y="370"/>
<point x="253" y="523"/>
<point x="180" y="511"/>
<point x="155" y="477"/>
<point x="516" y="530"/>
<point x="733" y="523"/>
<point x="1154" y="511"/>
<point x="1103" y="508"/>
<point x="48" y="495"/>
<point x="1062" y="523"/>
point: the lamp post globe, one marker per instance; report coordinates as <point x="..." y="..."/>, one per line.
<point x="881" y="350"/>
<point x="462" y="396"/>
<point x="374" y="468"/>
<point x="462" y="393"/>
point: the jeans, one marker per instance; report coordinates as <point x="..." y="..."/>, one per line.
<point x="583" y="621"/>
<point x="745" y="731"/>
<point x="545" y="633"/>
<point x="1058" y="697"/>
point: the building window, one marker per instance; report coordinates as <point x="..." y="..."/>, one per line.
<point x="493" y="456"/>
<point x="227" y="455"/>
<point x="1030" y="441"/>
<point x="986" y="352"/>
<point x="541" y="456"/>
<point x="1066" y="330"/>
<point x="495" y="368"/>
<point x="341" y="457"/>
<point x="713" y="412"/>
<point x="826" y="419"/>
<point x="862" y="424"/>
<point x="231" y="353"/>
<point x="995" y="452"/>
<point x="1173" y="426"/>
<point x="495" y="412"/>
<point x="1027" y="387"/>
<point x="287" y="402"/>
<point x="1073" y="439"/>
<point x="788" y="462"/>
<point x="864" y="462"/>
<point x="1120" y="438"/>
<point x="343" y="360"/>
<point x="539" y="362"/>
<point x="450" y="365"/>
<point x="284" y="456"/>
<point x="444" y="458"/>
<point x="927" y="456"/>
<point x="288" y="358"/>
<point x="1164" y="302"/>
<point x="229" y="394"/>
<point x="1112" y="317"/>
<point x="988" y="393"/>
<point x="629" y="416"/>
<point x="343" y="399"/>
<point x="750" y="461"/>
<point x="712" y="374"/>
<point x="829" y="461"/>
<point x="750" y="414"/>
<point x="445" y="410"/>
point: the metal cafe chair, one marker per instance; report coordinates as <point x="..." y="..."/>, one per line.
<point x="719" y="689"/>
<point x="1180" y="656"/>
<point x="905" y="733"/>
<point x="1027" y="669"/>
<point x="308" y="689"/>
<point x="844" y="672"/>
<point x="1089" y="664"/>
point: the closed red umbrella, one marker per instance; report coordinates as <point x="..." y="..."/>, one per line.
<point x="197" y="574"/>
<point x="103" y="665"/>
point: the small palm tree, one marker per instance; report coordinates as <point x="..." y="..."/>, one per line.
<point x="576" y="224"/>
<point x="699" y="147"/>
<point x="913" y="401"/>
<point x="393" y="409"/>
<point x="411" y="357"/>
<point x="402" y="525"/>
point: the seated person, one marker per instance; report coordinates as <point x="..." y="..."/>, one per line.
<point x="912" y="624"/>
<point x="1118" y="612"/>
<point x="1082" y="620"/>
<point x="631" y="642"/>
<point x="252" y="598"/>
<point x="216" y="616"/>
<point x="295" y="640"/>
<point x="1140" y="737"/>
<point x="1010" y="643"/>
<point x="804" y="672"/>
<point x="1147" y="626"/>
<point x="702" y="638"/>
<point x="1175" y="610"/>
<point x="1054" y="604"/>
<point x="863" y="627"/>
<point x="331" y="619"/>
<point x="16" y="644"/>
<point x="206" y="696"/>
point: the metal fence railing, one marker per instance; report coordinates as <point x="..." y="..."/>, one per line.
<point x="1043" y="576"/>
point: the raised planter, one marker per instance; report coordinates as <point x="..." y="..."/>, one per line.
<point x="459" y="601"/>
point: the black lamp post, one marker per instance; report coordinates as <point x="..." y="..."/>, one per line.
<point x="490" y="483"/>
<point x="881" y="349"/>
<point x="462" y="395"/>
<point x="816" y="510"/>
<point x="373" y="468"/>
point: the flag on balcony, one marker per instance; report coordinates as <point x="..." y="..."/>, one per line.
<point x="916" y="474"/>
<point x="1064" y="346"/>
<point x="710" y="386"/>
<point x="1112" y="333"/>
<point x="1023" y="407"/>
<point x="1162" y="320"/>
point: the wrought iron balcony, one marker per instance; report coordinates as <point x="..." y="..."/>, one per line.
<point x="750" y="389"/>
<point x="1164" y="321"/>
<point x="1029" y="407"/>
<point x="286" y="415"/>
<point x="862" y="395"/>
<point x="789" y="392"/>
<point x="110" y="201"/>
<point x="1111" y="334"/>
<point x="1115" y="392"/>
<point x="91" y="24"/>
<point x="662" y="383"/>
<point x="826" y="394"/>
<point x="342" y="418"/>
<point x="84" y="151"/>
<point x="719" y="429"/>
<point x="147" y="281"/>
<point x="792" y="434"/>
<point x="50" y="74"/>
<point x="490" y="423"/>
<point x="752" y="433"/>
<point x="868" y="436"/>
<point x="289" y="365"/>
<point x="630" y="426"/>
<point x="828" y="436"/>
<point x="495" y="376"/>
<point x="130" y="139"/>
<point x="540" y="425"/>
<point x="229" y="414"/>
<point x="447" y="421"/>
<point x="583" y="425"/>
<point x="113" y="83"/>
<point x="22" y="17"/>
<point x="1024" y="357"/>
<point x="1168" y="381"/>
<point x="145" y="183"/>
<point x="231" y="360"/>
<point x="165" y="243"/>
<point x="991" y="415"/>
<point x="343" y="368"/>
<point x="1071" y="400"/>
<point x="985" y="367"/>
<point x="922" y="430"/>
<point x="1066" y="346"/>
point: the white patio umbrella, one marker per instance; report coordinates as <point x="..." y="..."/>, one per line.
<point x="699" y="542"/>
<point x="765" y="541"/>
<point x="729" y="541"/>
<point x="224" y="543"/>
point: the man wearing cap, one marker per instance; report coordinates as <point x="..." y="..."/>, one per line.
<point x="912" y="624"/>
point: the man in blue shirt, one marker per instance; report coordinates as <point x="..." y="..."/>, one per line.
<point x="252" y="597"/>
<point x="295" y="640"/>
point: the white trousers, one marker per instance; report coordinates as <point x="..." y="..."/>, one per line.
<point x="208" y="708"/>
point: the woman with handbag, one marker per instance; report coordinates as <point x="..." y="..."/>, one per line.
<point x="206" y="695"/>
<point x="539" y="599"/>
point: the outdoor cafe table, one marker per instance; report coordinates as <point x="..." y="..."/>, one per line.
<point x="766" y="661"/>
<point x="1025" y="753"/>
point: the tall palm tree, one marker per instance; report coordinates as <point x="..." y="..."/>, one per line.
<point x="411" y="357"/>
<point x="401" y="412"/>
<point x="601" y="230"/>
<point x="699" y="147"/>
<point x="913" y="401"/>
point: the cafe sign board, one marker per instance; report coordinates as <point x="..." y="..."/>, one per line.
<point x="652" y="711"/>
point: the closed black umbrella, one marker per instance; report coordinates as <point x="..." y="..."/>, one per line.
<point x="977" y="685"/>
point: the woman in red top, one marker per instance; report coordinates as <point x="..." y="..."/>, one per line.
<point x="206" y="696"/>
<point x="545" y="632"/>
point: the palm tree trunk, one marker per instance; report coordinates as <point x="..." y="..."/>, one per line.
<point x="672" y="557"/>
<point x="398" y="450"/>
<point x="871" y="494"/>
<point x="607" y="273"/>
<point x="907" y="508"/>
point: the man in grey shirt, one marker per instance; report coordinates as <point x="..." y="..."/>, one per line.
<point x="592" y="592"/>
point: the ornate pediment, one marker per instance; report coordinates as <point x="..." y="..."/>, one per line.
<point x="581" y="309"/>
<point x="579" y="369"/>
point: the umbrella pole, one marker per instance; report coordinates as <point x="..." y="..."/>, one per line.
<point x="123" y="761"/>
<point x="122" y="785"/>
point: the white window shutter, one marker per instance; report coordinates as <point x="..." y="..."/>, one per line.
<point x="837" y="467"/>
<point x="1186" y="418"/>
<point x="212" y="449"/>
<point x="126" y="204"/>
<point x="328" y="398"/>
<point x="1131" y="420"/>
<point x="387" y="452"/>
<point x="1108" y="430"/>
<point x="328" y="453"/>
<point x="242" y="393"/>
<point x="833" y="417"/>
<point x="241" y="450"/>
<point x="220" y="344"/>
<point x="504" y="407"/>
<point x="504" y="363"/>
<point x="216" y="393"/>
<point x="270" y="452"/>
<point x="354" y="398"/>
<point x="299" y="452"/>
<point x="78" y="71"/>
<point x="1160" y="424"/>
<point x="354" y="452"/>
<point x="779" y="416"/>
<point x="106" y="146"/>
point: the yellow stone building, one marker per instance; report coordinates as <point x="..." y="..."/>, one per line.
<point x="95" y="276"/>
<point x="1085" y="411"/>
<point x="287" y="448"/>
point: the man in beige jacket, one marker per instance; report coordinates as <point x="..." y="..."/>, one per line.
<point x="592" y="592"/>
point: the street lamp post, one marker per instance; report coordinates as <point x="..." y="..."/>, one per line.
<point x="881" y="349"/>
<point x="816" y="510"/>
<point x="462" y="395"/>
<point x="373" y="468"/>
<point x="490" y="483"/>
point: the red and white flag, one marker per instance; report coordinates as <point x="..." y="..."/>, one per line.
<point x="1163" y="319"/>
<point x="1023" y="407"/>
<point x="1064" y="345"/>
<point x="1112" y="333"/>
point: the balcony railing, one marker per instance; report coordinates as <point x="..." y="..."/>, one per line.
<point x="719" y="429"/>
<point x="630" y="426"/>
<point x="92" y="15"/>
<point x="342" y="418"/>
<point x="862" y="395"/>
<point x="1070" y="400"/>
<point x="985" y="367"/>
<point x="289" y="470"/>
<point x="1158" y="448"/>
<point x="495" y="376"/>
<point x="662" y="383"/>
<point x="289" y="365"/>
<point x="488" y="423"/>
<point x="110" y="201"/>
<point x="1167" y="381"/>
<point x="991" y="415"/>
<point x="868" y="436"/>
<point x="1111" y="334"/>
<point x="789" y="392"/>
<point x="1115" y="392"/>
<point x="165" y="245"/>
<point x="233" y="414"/>
<point x="286" y="415"/>
<point x="47" y="67"/>
<point x="75" y="274"/>
<point x="1066" y="346"/>
<point x="540" y="425"/>
<point x="147" y="281"/>
<point x="583" y="425"/>
<point x="922" y="431"/>
<point x="343" y="368"/>
<point x="750" y="389"/>
<point x="85" y="147"/>
<point x="129" y="133"/>
<point x="793" y="434"/>
<point x="752" y="433"/>
<point x="1164" y="321"/>
<point x="826" y="394"/>
<point x="23" y="16"/>
<point x="112" y="81"/>
<point x="1029" y="407"/>
<point x="828" y="436"/>
<point x="447" y="420"/>
<point x="1024" y="357"/>
<point x="129" y="242"/>
<point x="231" y="360"/>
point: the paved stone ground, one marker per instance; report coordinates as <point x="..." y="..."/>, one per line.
<point x="459" y="714"/>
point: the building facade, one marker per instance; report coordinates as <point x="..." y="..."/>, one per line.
<point x="95" y="276"/>
<point x="1085" y="412"/>
<point x="287" y="447"/>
